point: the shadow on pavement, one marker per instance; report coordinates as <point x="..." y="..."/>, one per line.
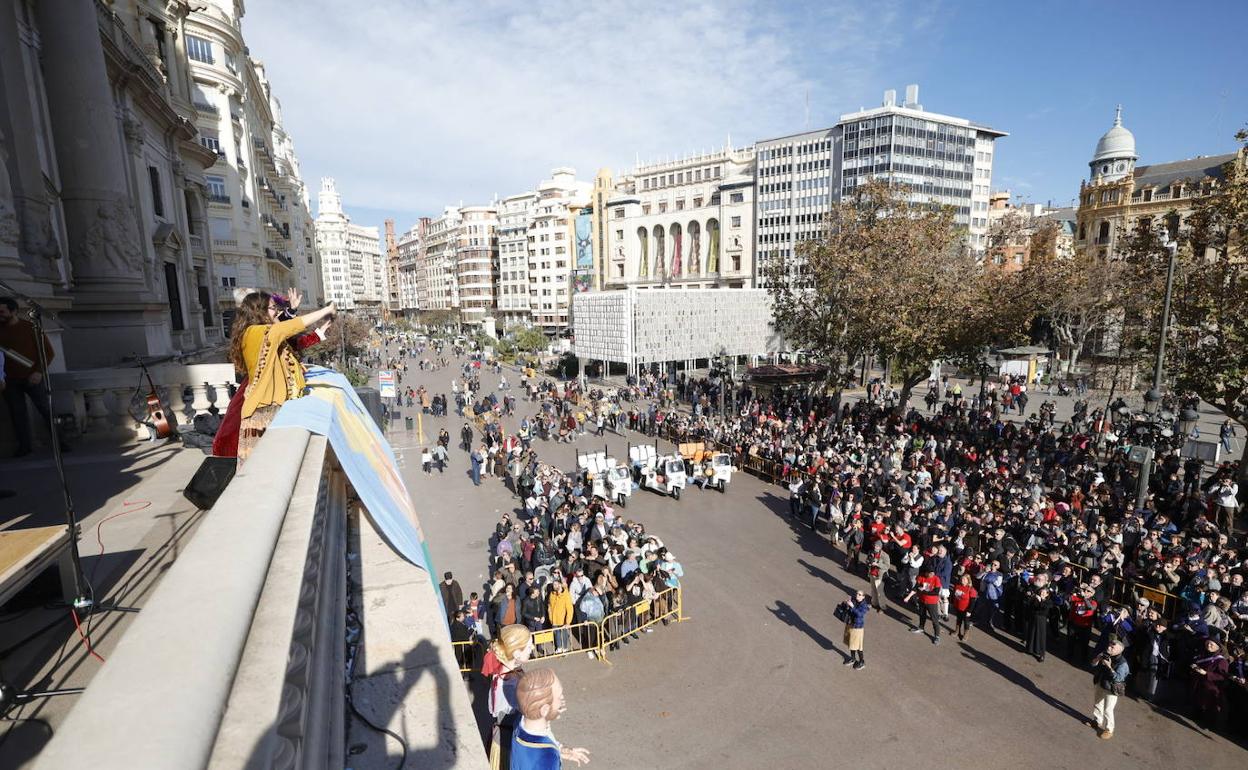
<point x="1021" y="680"/>
<point x="787" y="615"/>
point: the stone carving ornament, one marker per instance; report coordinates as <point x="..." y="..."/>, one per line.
<point x="110" y="244"/>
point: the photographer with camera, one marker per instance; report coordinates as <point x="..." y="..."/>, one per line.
<point x="1109" y="680"/>
<point x="853" y="612"/>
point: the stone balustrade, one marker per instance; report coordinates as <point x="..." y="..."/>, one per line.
<point x="114" y="400"/>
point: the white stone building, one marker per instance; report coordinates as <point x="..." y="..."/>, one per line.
<point x="352" y="269"/>
<point x="669" y="328"/>
<point x="514" y="216"/>
<point x="552" y="248"/>
<point x="940" y="159"/>
<point x="410" y="268"/>
<point x="440" y="246"/>
<point x="685" y="224"/>
<point x="257" y="203"/>
<point x="476" y="260"/>
<point x="367" y="268"/>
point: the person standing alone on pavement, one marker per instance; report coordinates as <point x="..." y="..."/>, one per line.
<point x="1109" y="680"/>
<point x="857" y="608"/>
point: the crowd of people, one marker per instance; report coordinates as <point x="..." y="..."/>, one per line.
<point x="568" y="559"/>
<point x="1019" y="527"/>
<point x="956" y="514"/>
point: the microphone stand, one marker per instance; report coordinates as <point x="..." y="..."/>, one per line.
<point x="82" y="599"/>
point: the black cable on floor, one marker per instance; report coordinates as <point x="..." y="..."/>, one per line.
<point x="382" y="730"/>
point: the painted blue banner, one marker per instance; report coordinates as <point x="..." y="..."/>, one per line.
<point x="332" y="409"/>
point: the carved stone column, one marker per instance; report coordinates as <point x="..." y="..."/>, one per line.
<point x="114" y="313"/>
<point x="103" y="234"/>
<point x="33" y="253"/>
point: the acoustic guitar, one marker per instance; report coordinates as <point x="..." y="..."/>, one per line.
<point x="157" y="420"/>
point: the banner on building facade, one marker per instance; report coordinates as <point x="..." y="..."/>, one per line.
<point x="332" y="409"/>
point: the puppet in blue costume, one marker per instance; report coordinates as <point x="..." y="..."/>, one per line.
<point x="533" y="747"/>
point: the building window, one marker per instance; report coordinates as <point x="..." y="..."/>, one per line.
<point x="216" y="188"/>
<point x="199" y="49"/>
<point x="663" y="207"/>
<point x="697" y="203"/>
<point x="153" y="178"/>
<point x="175" y="297"/>
<point x="680" y="205"/>
<point x="736" y="197"/>
<point x="212" y="143"/>
<point x="619" y="213"/>
<point x="645" y="209"/>
<point x="735" y="221"/>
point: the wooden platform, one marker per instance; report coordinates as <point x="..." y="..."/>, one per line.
<point x="25" y="553"/>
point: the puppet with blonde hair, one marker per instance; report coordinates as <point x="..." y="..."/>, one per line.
<point x="502" y="664"/>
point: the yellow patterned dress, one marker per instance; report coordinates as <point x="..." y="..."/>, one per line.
<point x="274" y="376"/>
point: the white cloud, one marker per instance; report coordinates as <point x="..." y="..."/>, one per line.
<point x="416" y="105"/>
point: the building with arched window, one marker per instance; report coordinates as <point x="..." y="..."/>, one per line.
<point x="1119" y="195"/>
<point x="686" y="223"/>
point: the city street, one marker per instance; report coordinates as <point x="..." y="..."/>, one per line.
<point x="754" y="677"/>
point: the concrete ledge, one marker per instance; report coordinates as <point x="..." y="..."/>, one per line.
<point x="158" y="701"/>
<point x="407" y="679"/>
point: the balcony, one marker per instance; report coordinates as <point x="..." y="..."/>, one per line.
<point x="219" y="198"/>
<point x="279" y="257"/>
<point x="206" y="107"/>
<point x="298" y="551"/>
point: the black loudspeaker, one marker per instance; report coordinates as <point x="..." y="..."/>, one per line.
<point x="210" y="481"/>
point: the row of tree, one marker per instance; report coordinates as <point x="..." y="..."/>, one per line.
<point x="896" y="280"/>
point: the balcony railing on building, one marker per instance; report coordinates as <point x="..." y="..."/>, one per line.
<point x="218" y="198"/>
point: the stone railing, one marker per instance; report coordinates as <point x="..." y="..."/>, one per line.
<point x="240" y="656"/>
<point x="109" y="400"/>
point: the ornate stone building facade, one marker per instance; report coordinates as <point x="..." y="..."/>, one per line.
<point x="685" y="223"/>
<point x="102" y="186"/>
<point x="258" y="218"/>
<point x="145" y="174"/>
<point x="1119" y="195"/>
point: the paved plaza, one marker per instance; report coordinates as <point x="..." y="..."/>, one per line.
<point x="754" y="677"/>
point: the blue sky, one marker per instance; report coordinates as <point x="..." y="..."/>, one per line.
<point x="414" y="105"/>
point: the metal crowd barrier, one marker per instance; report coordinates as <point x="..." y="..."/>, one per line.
<point x="1126" y="592"/>
<point x="588" y="635"/>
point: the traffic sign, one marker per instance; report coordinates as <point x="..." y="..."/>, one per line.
<point x="385" y="379"/>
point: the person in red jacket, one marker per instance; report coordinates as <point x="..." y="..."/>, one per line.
<point x="963" y="598"/>
<point x="1081" y="615"/>
<point x="927" y="587"/>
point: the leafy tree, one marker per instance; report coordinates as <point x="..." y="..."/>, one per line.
<point x="439" y="319"/>
<point x="896" y="279"/>
<point x="348" y="338"/>
<point x="1078" y="296"/>
<point x="530" y="339"/>
<point x="1209" y="317"/>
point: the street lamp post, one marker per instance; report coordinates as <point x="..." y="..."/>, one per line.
<point x="1151" y="401"/>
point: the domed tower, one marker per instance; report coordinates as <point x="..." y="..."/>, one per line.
<point x="1115" y="154"/>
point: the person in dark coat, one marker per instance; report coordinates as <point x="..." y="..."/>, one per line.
<point x="452" y="595"/>
<point x="1037" y="605"/>
<point x="1209" y="673"/>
